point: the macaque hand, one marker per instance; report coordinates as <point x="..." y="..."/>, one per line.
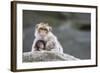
<point x="50" y="45"/>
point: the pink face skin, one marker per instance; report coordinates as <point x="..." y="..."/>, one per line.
<point x="43" y="33"/>
<point x="41" y="45"/>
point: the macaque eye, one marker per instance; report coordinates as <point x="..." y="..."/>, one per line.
<point x="43" y="30"/>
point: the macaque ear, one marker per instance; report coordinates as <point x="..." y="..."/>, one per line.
<point x="50" y="28"/>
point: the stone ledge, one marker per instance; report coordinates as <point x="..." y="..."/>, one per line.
<point x="38" y="56"/>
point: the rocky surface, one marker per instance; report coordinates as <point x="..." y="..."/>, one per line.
<point x="46" y="56"/>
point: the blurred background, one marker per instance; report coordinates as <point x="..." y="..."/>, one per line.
<point x="73" y="30"/>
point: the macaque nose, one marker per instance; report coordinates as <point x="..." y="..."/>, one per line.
<point x="42" y="34"/>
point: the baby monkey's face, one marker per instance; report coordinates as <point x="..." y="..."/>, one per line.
<point x="41" y="45"/>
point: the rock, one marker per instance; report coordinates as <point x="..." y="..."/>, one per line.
<point x="38" y="56"/>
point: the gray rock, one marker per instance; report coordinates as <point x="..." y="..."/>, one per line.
<point x="39" y="56"/>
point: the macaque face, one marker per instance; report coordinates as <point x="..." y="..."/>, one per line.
<point x="43" y="32"/>
<point x="43" y="29"/>
<point x="41" y="45"/>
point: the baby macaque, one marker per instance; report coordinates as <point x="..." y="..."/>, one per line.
<point x="40" y="45"/>
<point x="44" y="32"/>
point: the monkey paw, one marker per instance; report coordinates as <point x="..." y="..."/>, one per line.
<point x="50" y="45"/>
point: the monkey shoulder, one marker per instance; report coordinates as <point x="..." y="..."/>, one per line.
<point x="51" y="36"/>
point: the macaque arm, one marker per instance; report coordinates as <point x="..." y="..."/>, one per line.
<point x="33" y="45"/>
<point x="58" y="46"/>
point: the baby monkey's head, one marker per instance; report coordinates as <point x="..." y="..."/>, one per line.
<point x="40" y="45"/>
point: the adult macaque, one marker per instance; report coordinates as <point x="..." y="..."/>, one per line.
<point x="44" y="32"/>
